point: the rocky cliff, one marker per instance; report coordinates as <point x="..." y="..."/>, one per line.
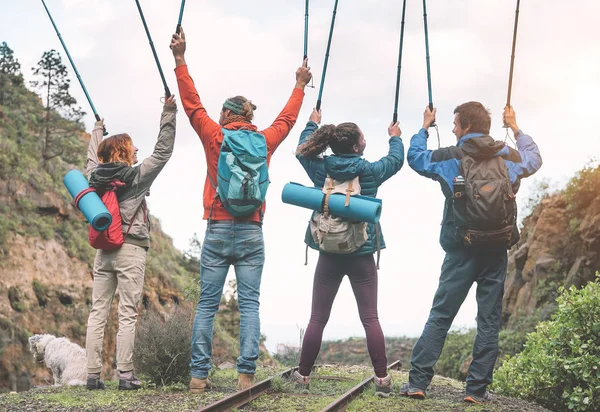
<point x="560" y="246"/>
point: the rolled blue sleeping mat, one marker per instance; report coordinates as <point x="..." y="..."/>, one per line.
<point x="360" y="208"/>
<point x="90" y="204"/>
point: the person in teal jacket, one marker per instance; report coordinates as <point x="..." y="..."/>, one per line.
<point x="348" y="144"/>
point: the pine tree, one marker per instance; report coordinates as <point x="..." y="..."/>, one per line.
<point x="10" y="72"/>
<point x="54" y="83"/>
<point x="8" y="64"/>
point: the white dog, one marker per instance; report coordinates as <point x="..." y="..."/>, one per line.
<point x="66" y="359"/>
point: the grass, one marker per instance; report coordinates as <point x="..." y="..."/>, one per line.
<point x="327" y="384"/>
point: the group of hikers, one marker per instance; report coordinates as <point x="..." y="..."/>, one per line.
<point x="479" y="178"/>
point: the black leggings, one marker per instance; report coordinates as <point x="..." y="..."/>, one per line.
<point x="330" y="271"/>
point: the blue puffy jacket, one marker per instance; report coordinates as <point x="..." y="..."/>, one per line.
<point x="443" y="165"/>
<point x="346" y="167"/>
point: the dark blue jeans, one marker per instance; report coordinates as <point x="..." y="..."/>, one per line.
<point x="461" y="268"/>
<point x="239" y="245"/>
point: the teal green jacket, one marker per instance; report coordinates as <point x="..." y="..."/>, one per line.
<point x="346" y="167"/>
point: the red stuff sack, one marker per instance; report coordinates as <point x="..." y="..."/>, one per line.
<point x="112" y="238"/>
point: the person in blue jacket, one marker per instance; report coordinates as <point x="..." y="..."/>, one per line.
<point x="464" y="265"/>
<point x="348" y="144"/>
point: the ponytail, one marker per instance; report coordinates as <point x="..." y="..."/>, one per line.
<point x="341" y="139"/>
<point x="317" y="142"/>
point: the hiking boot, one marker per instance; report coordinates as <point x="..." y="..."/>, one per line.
<point x="383" y="386"/>
<point x="245" y="380"/>
<point x="94" y="382"/>
<point x="478" y="399"/>
<point x="301" y="383"/>
<point x="129" y="382"/>
<point x="412" y="392"/>
<point x="199" y="385"/>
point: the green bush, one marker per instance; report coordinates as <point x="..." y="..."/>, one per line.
<point x="583" y="188"/>
<point x="560" y="365"/>
<point x="457" y="350"/>
<point x="163" y="348"/>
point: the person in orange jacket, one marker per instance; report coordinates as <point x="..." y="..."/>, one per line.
<point x="228" y="240"/>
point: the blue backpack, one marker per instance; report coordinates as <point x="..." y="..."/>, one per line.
<point x="242" y="172"/>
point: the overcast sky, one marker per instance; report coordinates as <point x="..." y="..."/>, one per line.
<point x="254" y="47"/>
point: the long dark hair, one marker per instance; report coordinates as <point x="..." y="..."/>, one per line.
<point x="341" y="138"/>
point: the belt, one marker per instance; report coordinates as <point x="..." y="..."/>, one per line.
<point x="228" y="222"/>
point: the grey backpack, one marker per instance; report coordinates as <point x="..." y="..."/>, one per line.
<point x="335" y="234"/>
<point x="484" y="202"/>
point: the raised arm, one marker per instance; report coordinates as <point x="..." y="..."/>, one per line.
<point x="314" y="166"/>
<point x="530" y="158"/>
<point x="281" y="127"/>
<point x="151" y="166"/>
<point x="195" y="111"/>
<point x="92" y="155"/>
<point x="389" y="165"/>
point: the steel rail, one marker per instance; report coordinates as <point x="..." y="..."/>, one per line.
<point x="245" y="396"/>
<point x="340" y="403"/>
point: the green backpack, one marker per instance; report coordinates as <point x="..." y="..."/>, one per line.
<point x="242" y="172"/>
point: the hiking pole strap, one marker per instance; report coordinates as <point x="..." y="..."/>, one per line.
<point x="178" y="29"/>
<point x="89" y="99"/>
<point x="512" y="58"/>
<point x="327" y="55"/>
<point x="160" y="71"/>
<point x="395" y="116"/>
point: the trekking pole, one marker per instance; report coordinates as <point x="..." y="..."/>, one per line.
<point x="395" y="118"/>
<point x="162" y="76"/>
<point x="512" y="59"/>
<point x="306" y="40"/>
<point x="74" y="68"/>
<point x="427" y="58"/>
<point x="178" y="29"/>
<point x="306" y="31"/>
<point x="327" y="56"/>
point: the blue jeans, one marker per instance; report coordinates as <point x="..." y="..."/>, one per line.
<point x="225" y="244"/>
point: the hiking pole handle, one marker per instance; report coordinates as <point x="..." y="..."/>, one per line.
<point x="318" y="105"/>
<point x="433" y="124"/>
<point x="395" y="118"/>
<point x="98" y="119"/>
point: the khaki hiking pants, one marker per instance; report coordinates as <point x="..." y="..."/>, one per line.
<point x="122" y="268"/>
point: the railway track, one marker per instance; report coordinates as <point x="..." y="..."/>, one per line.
<point x="244" y="397"/>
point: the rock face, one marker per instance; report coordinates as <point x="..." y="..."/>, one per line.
<point x="560" y="246"/>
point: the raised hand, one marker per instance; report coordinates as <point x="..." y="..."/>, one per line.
<point x="303" y="75"/>
<point x="428" y="117"/>
<point x="510" y="119"/>
<point x="394" y="129"/>
<point x="315" y="116"/>
<point x="177" y="46"/>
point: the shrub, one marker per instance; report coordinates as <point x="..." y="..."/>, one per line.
<point x="583" y="188"/>
<point x="163" y="347"/>
<point x="560" y="365"/>
<point x="457" y="350"/>
<point x="41" y="292"/>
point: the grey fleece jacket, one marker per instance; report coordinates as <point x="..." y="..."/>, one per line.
<point x="132" y="197"/>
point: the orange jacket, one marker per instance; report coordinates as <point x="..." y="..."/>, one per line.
<point x="211" y="137"/>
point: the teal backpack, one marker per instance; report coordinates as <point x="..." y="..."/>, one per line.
<point x="242" y="172"/>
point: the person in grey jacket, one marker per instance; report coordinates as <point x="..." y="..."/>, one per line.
<point x="109" y="160"/>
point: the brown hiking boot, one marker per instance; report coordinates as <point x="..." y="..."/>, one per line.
<point x="199" y="385"/>
<point x="245" y="380"/>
